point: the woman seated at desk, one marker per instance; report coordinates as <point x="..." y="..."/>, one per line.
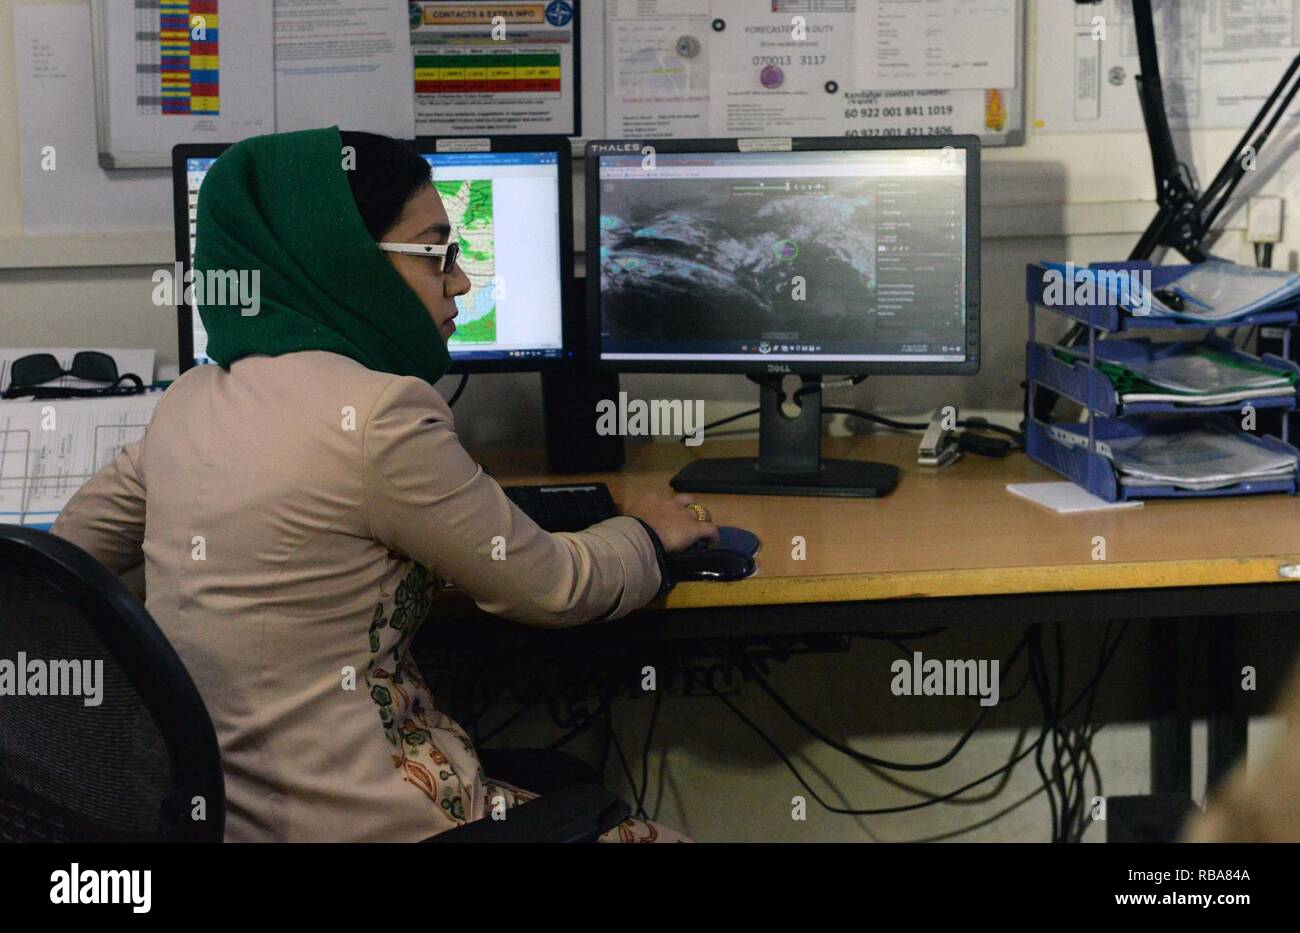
<point x="296" y="506"/>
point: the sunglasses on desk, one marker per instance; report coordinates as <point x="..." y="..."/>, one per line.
<point x="28" y="376"/>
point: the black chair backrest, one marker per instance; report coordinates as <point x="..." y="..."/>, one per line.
<point x="140" y="764"/>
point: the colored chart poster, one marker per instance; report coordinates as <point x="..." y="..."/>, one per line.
<point x="495" y="68"/>
<point x="180" y="71"/>
<point x="469" y="207"/>
<point x="177" y="57"/>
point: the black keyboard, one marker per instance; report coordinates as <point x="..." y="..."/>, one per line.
<point x="564" y="508"/>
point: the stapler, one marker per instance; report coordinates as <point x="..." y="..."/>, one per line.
<point x="939" y="444"/>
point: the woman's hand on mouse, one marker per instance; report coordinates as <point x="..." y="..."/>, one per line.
<point x="674" y="523"/>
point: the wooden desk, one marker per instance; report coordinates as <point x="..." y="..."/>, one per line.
<point x="957" y="532"/>
<point x="953" y="546"/>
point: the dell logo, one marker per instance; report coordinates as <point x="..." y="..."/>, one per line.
<point x="777" y="368"/>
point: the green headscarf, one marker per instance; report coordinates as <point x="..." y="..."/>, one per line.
<point x="281" y="205"/>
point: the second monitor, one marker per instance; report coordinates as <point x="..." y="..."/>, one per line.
<point x="802" y="256"/>
<point x="508" y="201"/>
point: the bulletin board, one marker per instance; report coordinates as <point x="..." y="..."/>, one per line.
<point x="642" y="69"/>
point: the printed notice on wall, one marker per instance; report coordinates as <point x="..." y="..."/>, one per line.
<point x="929" y="44"/>
<point x="495" y="68"/>
<point x="657" y="79"/>
<point x="344" y="62"/>
<point x="1218" y="62"/>
<point x="741" y="68"/>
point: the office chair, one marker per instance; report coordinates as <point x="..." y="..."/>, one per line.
<point x="130" y="769"/>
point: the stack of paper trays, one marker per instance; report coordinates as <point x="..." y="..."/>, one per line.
<point x="1217" y="292"/>
<point x="1195" y="374"/>
<point x="1208" y="456"/>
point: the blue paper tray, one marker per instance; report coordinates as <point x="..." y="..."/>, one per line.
<point x="1113" y="319"/>
<point x="1090" y="387"/>
<point x="1080" y="464"/>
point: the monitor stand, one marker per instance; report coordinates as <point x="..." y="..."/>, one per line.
<point x="789" y="461"/>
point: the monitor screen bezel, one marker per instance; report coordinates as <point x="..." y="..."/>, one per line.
<point x="596" y="148"/>
<point x="181" y="154"/>
<point x="570" y="315"/>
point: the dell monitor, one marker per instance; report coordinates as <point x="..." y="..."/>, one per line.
<point x="786" y="256"/>
<point x="508" y="200"/>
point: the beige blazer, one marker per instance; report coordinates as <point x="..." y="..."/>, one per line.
<point x="294" y="515"/>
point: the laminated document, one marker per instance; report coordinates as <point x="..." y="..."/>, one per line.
<point x="49" y="449"/>
<point x="493" y="69"/>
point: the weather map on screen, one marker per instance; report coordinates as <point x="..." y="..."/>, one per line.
<point x="469" y="207"/>
<point x="504" y="209"/>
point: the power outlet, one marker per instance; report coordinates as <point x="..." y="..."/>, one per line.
<point x="1264" y="219"/>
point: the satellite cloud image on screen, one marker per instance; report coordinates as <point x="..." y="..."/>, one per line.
<point x="674" y="252"/>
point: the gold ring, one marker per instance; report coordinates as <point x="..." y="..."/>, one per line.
<point x="701" y="513"/>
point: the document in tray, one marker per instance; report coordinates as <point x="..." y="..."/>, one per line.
<point x="48" y="450"/>
<point x="1207" y="376"/>
<point x="1208" y="399"/>
<point x="1204" y="457"/>
<point x="1200" y="486"/>
<point x="1216" y="291"/>
<point x="1204" y="371"/>
<point x="1188" y="374"/>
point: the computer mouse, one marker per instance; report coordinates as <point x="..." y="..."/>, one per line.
<point x="731" y="538"/>
<point x="739" y="540"/>
<point x="714" y="563"/>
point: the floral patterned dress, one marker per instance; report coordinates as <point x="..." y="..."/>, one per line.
<point x="432" y="752"/>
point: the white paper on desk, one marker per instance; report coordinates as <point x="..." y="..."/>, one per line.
<point x="344" y="63"/>
<point x="767" y="82"/>
<point x="657" y="84"/>
<point x="139" y="362"/>
<point x="41" y="469"/>
<point x="56" y="109"/>
<point x="1066" y="498"/>
<point x="936" y="44"/>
